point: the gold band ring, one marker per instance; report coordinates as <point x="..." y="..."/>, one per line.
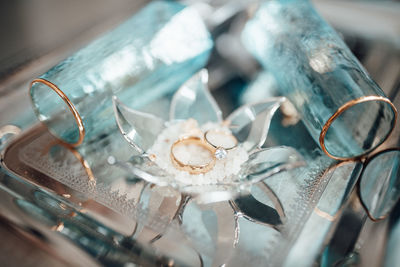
<point x="191" y="168"/>
<point x="345" y="107"/>
<point x="71" y="107"/>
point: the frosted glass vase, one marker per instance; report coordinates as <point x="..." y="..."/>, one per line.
<point x="148" y="56"/>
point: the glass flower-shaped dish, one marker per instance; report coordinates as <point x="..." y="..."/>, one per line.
<point x="193" y="112"/>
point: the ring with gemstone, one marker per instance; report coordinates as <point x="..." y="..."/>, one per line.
<point x="221" y="148"/>
<point x="192" y="168"/>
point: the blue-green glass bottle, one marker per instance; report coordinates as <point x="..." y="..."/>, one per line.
<point x="149" y="55"/>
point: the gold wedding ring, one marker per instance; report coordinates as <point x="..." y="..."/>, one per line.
<point x="192" y="168"/>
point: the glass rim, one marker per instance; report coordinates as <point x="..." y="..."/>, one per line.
<point x="67" y="101"/>
<point x="345" y="107"/>
<point x="366" y="164"/>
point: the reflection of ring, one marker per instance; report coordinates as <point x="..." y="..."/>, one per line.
<point x="191" y="168"/>
<point x="220" y="151"/>
<point x="75" y="153"/>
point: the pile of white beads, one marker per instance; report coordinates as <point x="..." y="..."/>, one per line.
<point x="225" y="167"/>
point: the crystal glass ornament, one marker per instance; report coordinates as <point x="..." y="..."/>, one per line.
<point x="149" y="55"/>
<point x="249" y="124"/>
<point x="191" y="98"/>
<point x="380" y="183"/>
<point x="342" y="107"/>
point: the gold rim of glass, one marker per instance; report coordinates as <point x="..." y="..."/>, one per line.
<point x="70" y="105"/>
<point x="345" y="107"/>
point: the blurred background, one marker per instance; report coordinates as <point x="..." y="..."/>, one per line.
<point x="37" y="34"/>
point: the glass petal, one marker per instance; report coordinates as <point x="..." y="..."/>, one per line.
<point x="380" y="184"/>
<point x="267" y="162"/>
<point x="217" y="227"/>
<point x="254" y="210"/>
<point x="195" y="220"/>
<point x="193" y="100"/>
<point x="206" y="194"/>
<point x="138" y="128"/>
<point x="142" y="167"/>
<point x="250" y="123"/>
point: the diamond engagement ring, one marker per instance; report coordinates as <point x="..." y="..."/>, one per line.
<point x="221" y="141"/>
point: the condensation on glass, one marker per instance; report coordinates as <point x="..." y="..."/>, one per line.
<point x="146" y="57"/>
<point x="343" y="108"/>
